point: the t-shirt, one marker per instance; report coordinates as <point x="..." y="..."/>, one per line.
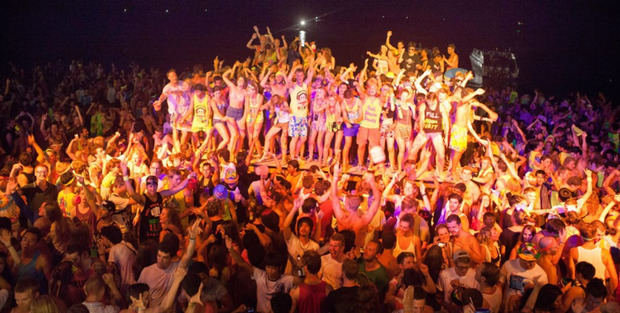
<point x="512" y="270"/>
<point x="158" y="280"/>
<point x="296" y="248"/>
<point x="331" y="271"/>
<point x="266" y="288"/>
<point x="448" y="275"/>
<point x="410" y="61"/>
<point x="379" y="277"/>
<point x="99" y="307"/>
<point x="340" y="300"/>
<point x="124" y="256"/>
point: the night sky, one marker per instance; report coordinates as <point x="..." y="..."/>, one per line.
<point x="560" y="45"/>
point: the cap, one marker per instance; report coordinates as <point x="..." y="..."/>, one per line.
<point x="461" y="255"/>
<point x="220" y="191"/>
<point x="528" y="252"/>
<point x="230" y="174"/>
<point x="108" y="205"/>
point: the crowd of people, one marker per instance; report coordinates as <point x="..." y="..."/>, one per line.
<point x="289" y="183"/>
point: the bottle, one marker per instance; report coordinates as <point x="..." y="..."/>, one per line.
<point x="300" y="268"/>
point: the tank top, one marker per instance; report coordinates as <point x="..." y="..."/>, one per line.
<point x="593" y="256"/>
<point x="201" y="108"/>
<point x="253" y="105"/>
<point x="372" y="113"/>
<point x="299" y="101"/>
<point x="353" y="112"/>
<point x="149" y="222"/>
<point x="397" y="249"/>
<point x="283" y="116"/>
<point x="432" y="120"/>
<point x="310" y="297"/>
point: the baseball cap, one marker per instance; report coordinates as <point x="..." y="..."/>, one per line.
<point x="528" y="252"/>
<point x="108" y="205"/>
<point x="461" y="255"/>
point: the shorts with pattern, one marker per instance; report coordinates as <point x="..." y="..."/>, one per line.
<point x="458" y="138"/>
<point x="235" y="113"/>
<point x="298" y="126"/>
<point x="403" y="131"/>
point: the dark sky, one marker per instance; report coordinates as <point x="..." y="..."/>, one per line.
<point x="560" y="45"/>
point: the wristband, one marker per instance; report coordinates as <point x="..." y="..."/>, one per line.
<point x="126" y="178"/>
<point x="192" y="238"/>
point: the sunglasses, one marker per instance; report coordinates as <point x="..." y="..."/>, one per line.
<point x="151" y="183"/>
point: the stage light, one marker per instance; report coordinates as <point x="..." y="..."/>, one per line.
<point x="166" y="11"/>
<point x="124" y="10"/>
<point x="302" y="23"/>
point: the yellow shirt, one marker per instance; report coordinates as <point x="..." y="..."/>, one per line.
<point x="371" y="109"/>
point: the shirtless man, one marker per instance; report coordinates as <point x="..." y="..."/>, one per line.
<point x="464" y="240"/>
<point x="235" y="110"/>
<point x="298" y="123"/>
<point x="453" y="59"/>
<point x="351" y="218"/>
<point x="176" y="93"/>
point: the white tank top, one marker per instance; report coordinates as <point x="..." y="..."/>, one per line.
<point x="592" y="256"/>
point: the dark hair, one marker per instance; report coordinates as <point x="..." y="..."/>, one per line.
<point x="412" y="277"/>
<point x="555" y="226"/>
<point x="35" y="231"/>
<point x="198" y="268"/>
<point x="305" y="220"/>
<point x="135" y="290"/>
<point x="5" y="223"/>
<point x="272" y="259"/>
<point x="294" y="164"/>
<point x="409" y="219"/>
<point x="170" y="244"/>
<point x="472" y="295"/>
<point x="547" y="296"/>
<point x="596" y="288"/>
<point x="26" y="284"/>
<point x="113" y="233"/>
<point x="455" y="196"/>
<point x="191" y="283"/>
<point x="490" y="272"/>
<point x="388" y="239"/>
<point x="403" y="255"/>
<point x="350" y="269"/>
<point x="453" y="218"/>
<point x="312" y="260"/>
<point x="281" y="302"/>
<point x="586" y="270"/>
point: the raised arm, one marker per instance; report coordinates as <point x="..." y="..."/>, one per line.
<point x="249" y="45"/>
<point x="376" y="200"/>
<point x="193" y="231"/>
<point x="418" y="82"/>
<point x="130" y="190"/>
<point x="335" y="197"/>
<point x="181" y="186"/>
<point x="286" y="230"/>
<point x="387" y="41"/>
